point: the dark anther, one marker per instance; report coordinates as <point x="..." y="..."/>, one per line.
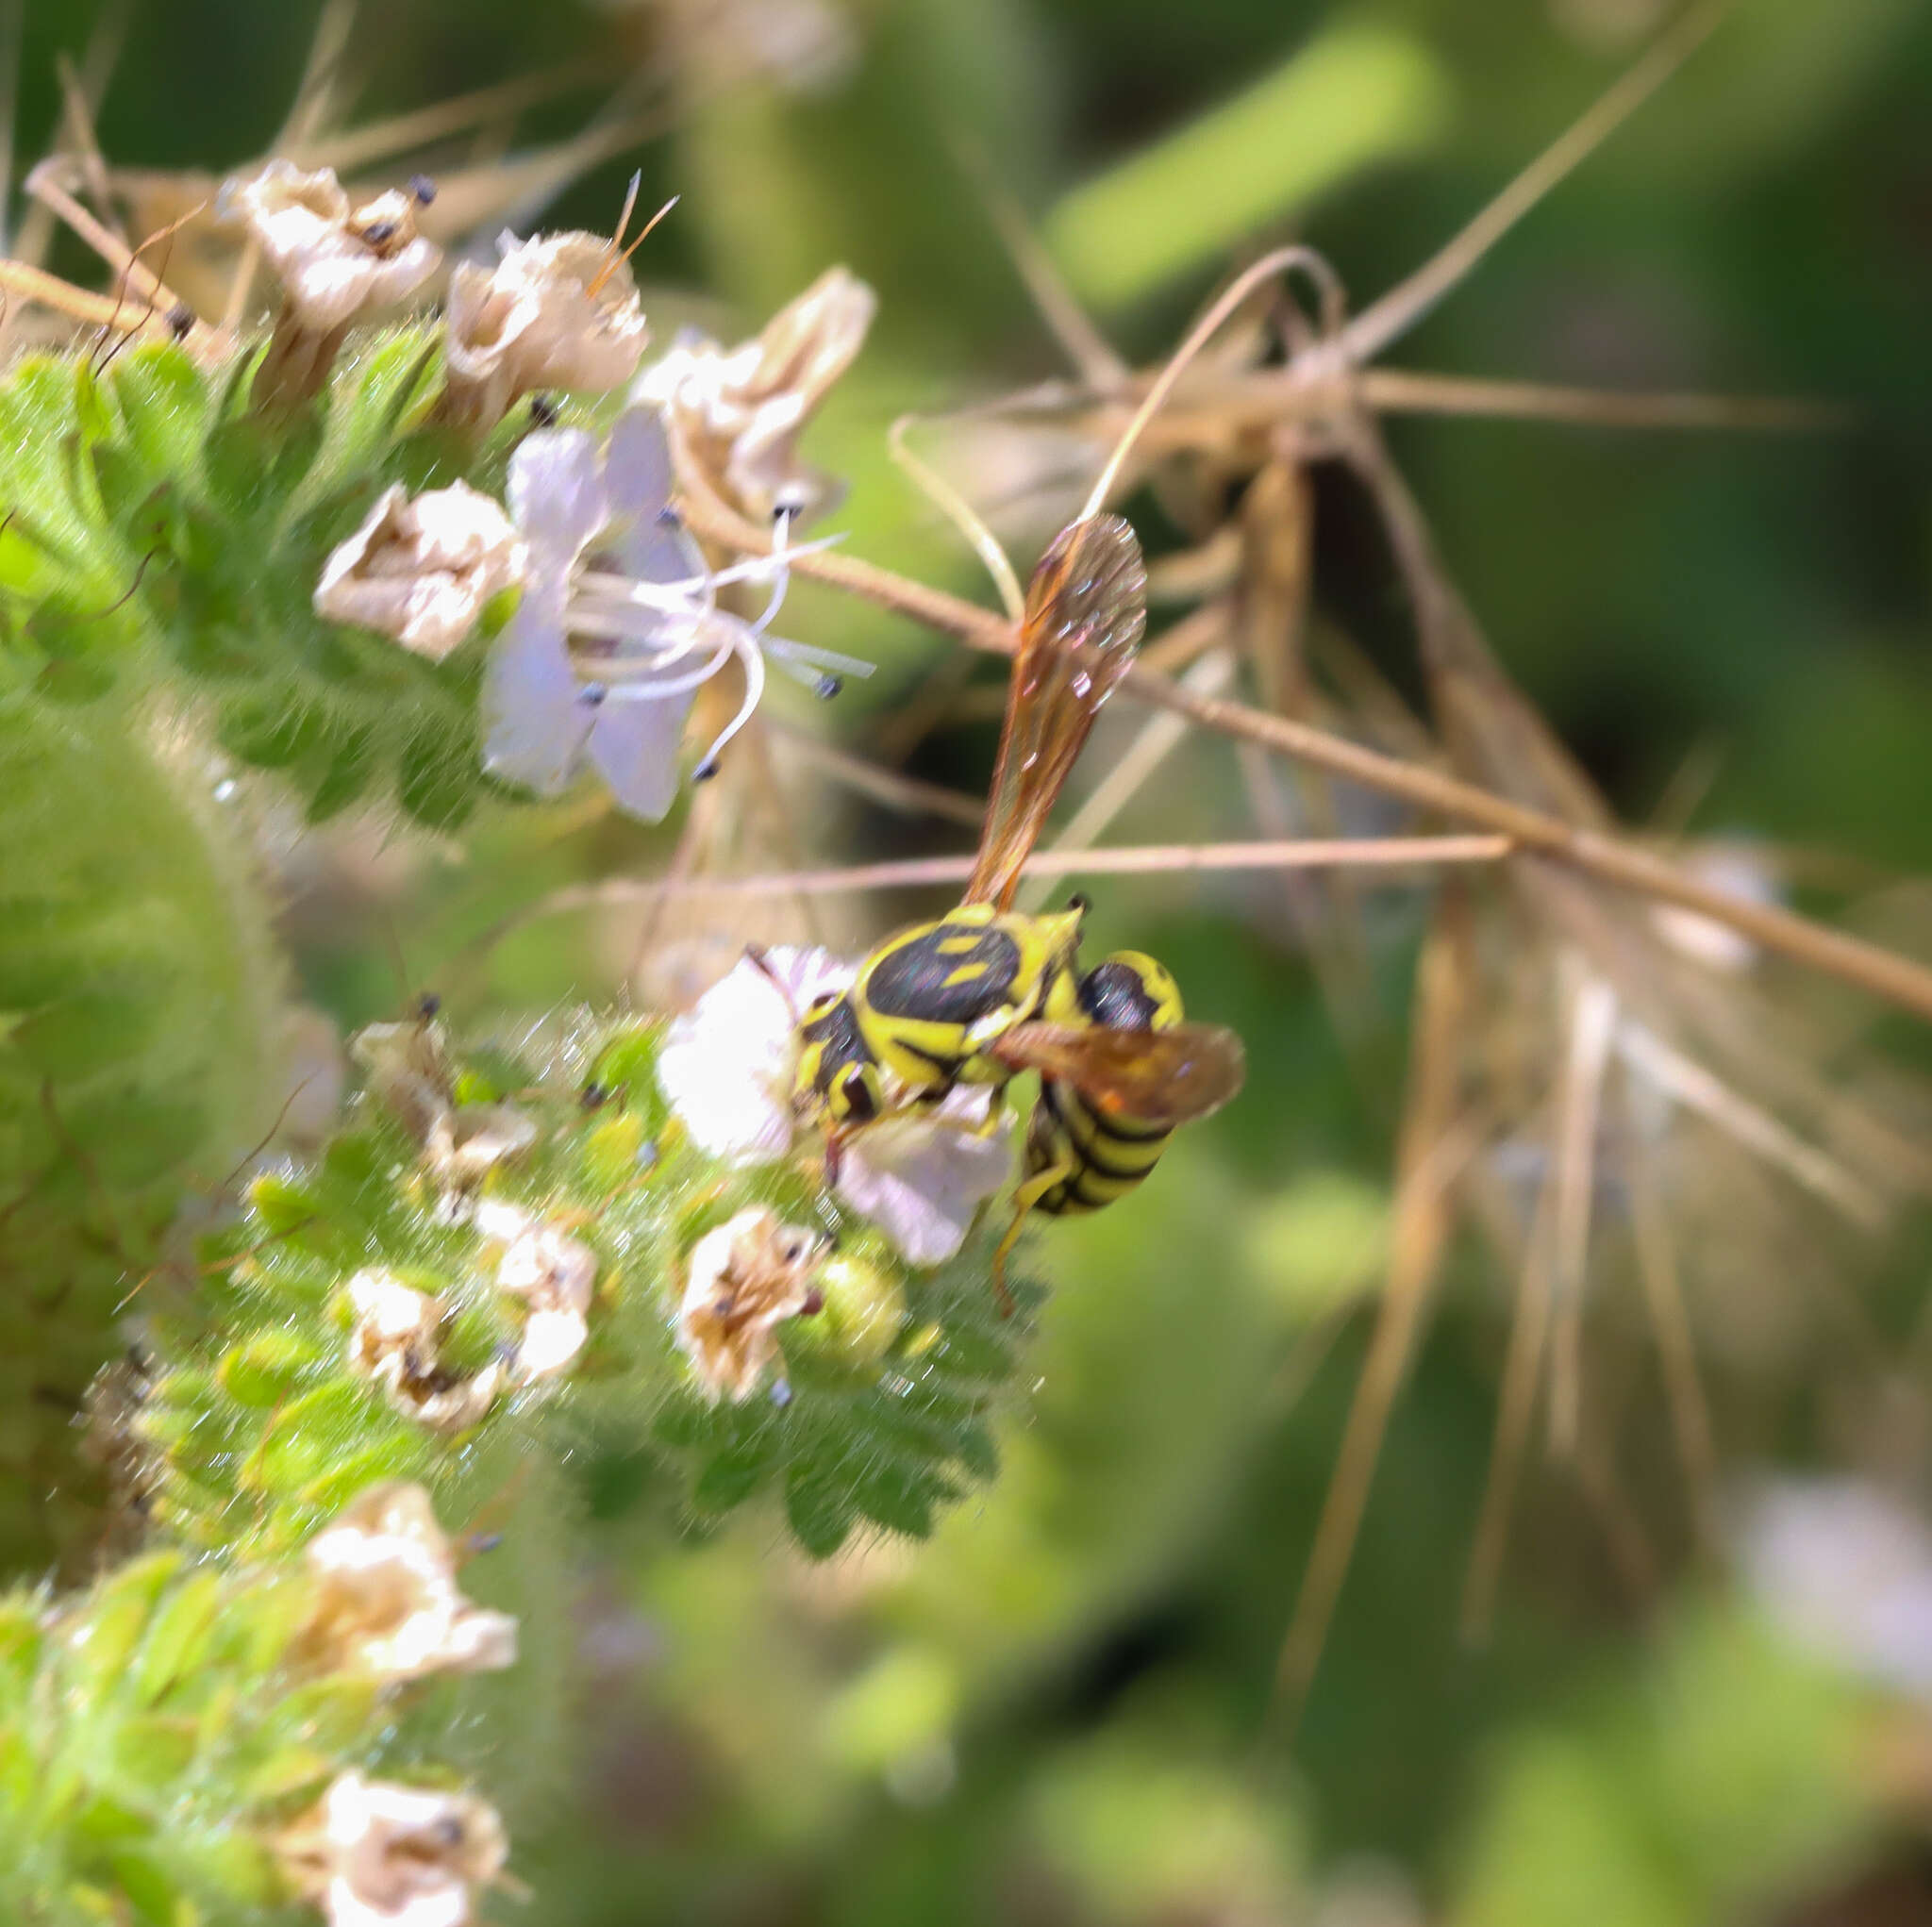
<point x="379" y="233"/>
<point x="668" y="517"/>
<point x="429" y="1005"/>
<point x="593" y="1096"/>
<point x="542" y="411"/>
<point x="592" y="695"/>
<point x="705" y="770"/>
<point x="422" y="190"/>
<point x="180" y="321"/>
<point x="814" y="1304"/>
<point x="1079" y="901"/>
<point x="827" y="687"/>
<point x="481" y="1542"/>
<point x="781" y="1394"/>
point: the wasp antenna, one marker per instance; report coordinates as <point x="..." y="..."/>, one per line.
<point x="961" y="514"/>
<point x="1283" y="260"/>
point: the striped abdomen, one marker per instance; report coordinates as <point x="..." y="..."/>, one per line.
<point x="1106" y="1156"/>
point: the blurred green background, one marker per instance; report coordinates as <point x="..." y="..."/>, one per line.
<point x="1055" y="1712"/>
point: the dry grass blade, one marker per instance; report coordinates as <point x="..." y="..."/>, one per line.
<point x="1881" y="973"/>
<point x="907" y="795"/>
<point x="1592" y="1023"/>
<point x="1663" y="1298"/>
<point x="1434" y="1141"/>
<point x="1515" y="1407"/>
<point x="1406" y="392"/>
<point x="1397" y="312"/>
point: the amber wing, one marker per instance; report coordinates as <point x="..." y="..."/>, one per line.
<point x="1085" y="612"/>
<point x="1158" y="1078"/>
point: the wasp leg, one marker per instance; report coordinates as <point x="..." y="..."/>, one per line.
<point x="1028" y="1195"/>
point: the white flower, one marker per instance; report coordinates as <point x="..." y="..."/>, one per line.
<point x="558" y="311"/>
<point x="609" y="570"/>
<point x="555" y="1275"/>
<point x="1847" y="1571"/>
<point x="745" y="1279"/>
<point x="334" y="261"/>
<point x="738" y="411"/>
<point x="396" y="1342"/>
<point x="727" y="1067"/>
<point x="378" y="1854"/>
<point x="420" y="568"/>
<point x="387" y="1601"/>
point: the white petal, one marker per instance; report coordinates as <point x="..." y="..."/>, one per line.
<point x="727" y="1067"/>
<point x="637" y="464"/>
<point x="922" y="1180"/>
<point x="634" y="743"/>
<point x="556" y="494"/>
<point x="534" y="720"/>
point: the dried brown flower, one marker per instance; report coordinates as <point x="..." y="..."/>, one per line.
<point x="396" y="1340"/>
<point x="421" y="568"/>
<point x="387" y="1601"/>
<point x="336" y="263"/>
<point x="737" y="412"/>
<point x="745" y="1279"/>
<point x="555" y="1275"/>
<point x="559" y="311"/>
<point x="376" y="1855"/>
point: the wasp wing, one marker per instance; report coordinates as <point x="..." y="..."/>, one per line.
<point x="1158" y="1078"/>
<point x="1085" y="612"/>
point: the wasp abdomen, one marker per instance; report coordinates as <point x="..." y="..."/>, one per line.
<point x="1103" y="1155"/>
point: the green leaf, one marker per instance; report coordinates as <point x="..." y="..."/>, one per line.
<point x="179" y="1633"/>
<point x="1358" y="95"/>
<point x="819" y="1506"/>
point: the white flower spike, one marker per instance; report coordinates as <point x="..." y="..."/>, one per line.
<point x="727" y="1068"/>
<point x="421" y="568"/>
<point x="610" y="571"/>
<point x="387" y="1603"/>
<point x="378" y="1854"/>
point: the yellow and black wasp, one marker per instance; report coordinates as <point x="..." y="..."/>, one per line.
<point x="987" y="991"/>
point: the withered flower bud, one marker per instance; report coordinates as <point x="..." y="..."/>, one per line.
<point x="386" y="1596"/>
<point x="336" y="263"/>
<point x="376" y="1855"/>
<point x="559" y="311"/>
<point x="746" y="1278"/>
<point x="737" y="412"/>
<point x="421" y="568"/>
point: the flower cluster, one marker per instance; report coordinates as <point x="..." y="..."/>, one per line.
<point x="618" y="626"/>
<point x="727" y="1067"/>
